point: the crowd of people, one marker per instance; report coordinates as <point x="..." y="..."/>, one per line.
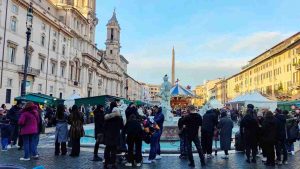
<point x="124" y="131"/>
<point x="274" y="133"/>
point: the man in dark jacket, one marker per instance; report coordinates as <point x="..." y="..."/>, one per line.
<point x="281" y="137"/>
<point x="13" y="115"/>
<point x="99" y="123"/>
<point x="134" y="132"/>
<point x="249" y="132"/>
<point x="191" y="124"/>
<point x="269" y="132"/>
<point x="182" y="136"/>
<point x="210" y="122"/>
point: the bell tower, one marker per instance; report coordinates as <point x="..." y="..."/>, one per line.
<point x="113" y="38"/>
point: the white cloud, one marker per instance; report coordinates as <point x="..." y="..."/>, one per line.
<point x="258" y="41"/>
<point x="219" y="57"/>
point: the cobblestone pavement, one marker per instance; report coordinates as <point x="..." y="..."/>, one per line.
<point x="49" y="161"/>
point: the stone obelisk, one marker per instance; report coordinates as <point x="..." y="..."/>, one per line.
<point x="173" y="66"/>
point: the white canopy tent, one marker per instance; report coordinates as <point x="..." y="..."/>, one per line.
<point x="70" y="101"/>
<point x="254" y="98"/>
<point x="211" y="104"/>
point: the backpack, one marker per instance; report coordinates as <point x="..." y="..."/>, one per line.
<point x="294" y="133"/>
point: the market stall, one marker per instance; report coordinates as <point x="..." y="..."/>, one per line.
<point x="254" y="98"/>
<point x="180" y="96"/>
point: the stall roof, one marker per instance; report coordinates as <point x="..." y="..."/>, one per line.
<point x="253" y="96"/>
<point x="40" y="99"/>
<point x="178" y="90"/>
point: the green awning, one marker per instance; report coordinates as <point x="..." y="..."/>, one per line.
<point x="102" y="100"/>
<point x="40" y="99"/>
<point x="286" y="105"/>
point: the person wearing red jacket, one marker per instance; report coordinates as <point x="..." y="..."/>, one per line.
<point x="28" y="122"/>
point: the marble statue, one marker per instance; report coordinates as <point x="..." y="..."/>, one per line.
<point x="166" y="98"/>
<point x="123" y="108"/>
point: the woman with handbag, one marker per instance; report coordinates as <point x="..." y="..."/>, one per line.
<point x="99" y="123"/>
<point x="76" y="130"/>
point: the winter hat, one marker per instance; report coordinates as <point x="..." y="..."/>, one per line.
<point x="223" y="114"/>
<point x="250" y="106"/>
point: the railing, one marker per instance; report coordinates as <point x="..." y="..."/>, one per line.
<point x="30" y="70"/>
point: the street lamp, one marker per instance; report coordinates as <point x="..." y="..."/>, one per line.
<point x="28" y="34"/>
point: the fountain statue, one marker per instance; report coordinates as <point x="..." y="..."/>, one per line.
<point x="166" y="98"/>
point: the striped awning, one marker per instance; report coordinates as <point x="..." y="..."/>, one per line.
<point x="178" y="90"/>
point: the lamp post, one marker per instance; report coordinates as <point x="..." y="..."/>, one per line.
<point x="28" y="34"/>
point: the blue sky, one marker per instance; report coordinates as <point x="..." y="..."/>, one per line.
<point x="212" y="38"/>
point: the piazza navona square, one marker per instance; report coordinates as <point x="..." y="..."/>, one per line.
<point x="149" y="84"/>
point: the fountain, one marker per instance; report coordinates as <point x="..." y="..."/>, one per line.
<point x="170" y="131"/>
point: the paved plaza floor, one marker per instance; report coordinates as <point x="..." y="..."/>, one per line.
<point x="49" y="161"/>
<point x="169" y="161"/>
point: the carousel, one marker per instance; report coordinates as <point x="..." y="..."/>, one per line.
<point x="180" y="97"/>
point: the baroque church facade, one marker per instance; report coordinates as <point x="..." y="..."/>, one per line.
<point x="63" y="56"/>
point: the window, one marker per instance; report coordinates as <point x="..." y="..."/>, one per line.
<point x="8" y="96"/>
<point x="111" y="52"/>
<point x="90" y="77"/>
<point x="112" y="34"/>
<point x="89" y="92"/>
<point x="40" y="87"/>
<point x="54" y="33"/>
<point x="54" y="45"/>
<point x="53" y="68"/>
<point x="63" y="50"/>
<point x="71" y="72"/>
<point x="43" y="39"/>
<point x="60" y="95"/>
<point x="77" y="71"/>
<point x="43" y="26"/>
<point x="42" y="63"/>
<point x="9" y="82"/>
<point x="15" y="9"/>
<point x="11" y="54"/>
<point x="13" y="24"/>
<point x="61" y="18"/>
<point x="51" y="89"/>
<point x="62" y="71"/>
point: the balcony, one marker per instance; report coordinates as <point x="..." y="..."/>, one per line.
<point x="297" y="66"/>
<point x="30" y="71"/>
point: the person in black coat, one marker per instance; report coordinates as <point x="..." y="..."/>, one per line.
<point x="191" y="124"/>
<point x="76" y="130"/>
<point x="133" y="130"/>
<point x="131" y="109"/>
<point x="99" y="124"/>
<point x="269" y="131"/>
<point x="281" y="137"/>
<point x="182" y="136"/>
<point x="5" y="133"/>
<point x="210" y="122"/>
<point x="13" y="115"/>
<point x="249" y="132"/>
<point x="112" y="127"/>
